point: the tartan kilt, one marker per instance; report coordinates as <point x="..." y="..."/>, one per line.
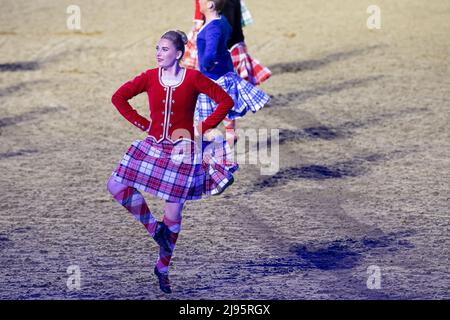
<point x="218" y="166"/>
<point x="176" y="172"/>
<point x="245" y="95"/>
<point x="247" y="67"/>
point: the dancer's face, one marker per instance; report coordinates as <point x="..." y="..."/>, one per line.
<point x="204" y="4"/>
<point x="166" y="53"/>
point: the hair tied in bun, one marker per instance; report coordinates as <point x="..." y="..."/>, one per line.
<point x="178" y="38"/>
<point x="183" y="36"/>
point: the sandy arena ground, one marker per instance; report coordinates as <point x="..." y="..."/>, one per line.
<point x="364" y="156"/>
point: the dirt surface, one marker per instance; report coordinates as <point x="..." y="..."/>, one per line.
<point x="364" y="156"/>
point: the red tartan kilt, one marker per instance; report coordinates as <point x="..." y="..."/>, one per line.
<point x="174" y="172"/>
<point x="247" y="67"/>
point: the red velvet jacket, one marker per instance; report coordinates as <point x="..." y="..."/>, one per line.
<point x="171" y="107"/>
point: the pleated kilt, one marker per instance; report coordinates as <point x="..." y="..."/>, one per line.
<point x="246" y="97"/>
<point x="177" y="171"/>
<point x="247" y="67"/>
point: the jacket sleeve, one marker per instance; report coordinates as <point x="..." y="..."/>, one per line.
<point x="214" y="91"/>
<point x="213" y="36"/>
<point x="127" y="91"/>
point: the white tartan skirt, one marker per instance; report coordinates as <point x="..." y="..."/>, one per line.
<point x="245" y="95"/>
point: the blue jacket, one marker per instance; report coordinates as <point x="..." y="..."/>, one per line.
<point x="213" y="55"/>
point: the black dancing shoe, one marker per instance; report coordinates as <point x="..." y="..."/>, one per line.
<point x="162" y="236"/>
<point x="164" y="283"/>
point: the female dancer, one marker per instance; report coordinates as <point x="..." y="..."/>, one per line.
<point x="216" y="63"/>
<point x="238" y="16"/>
<point x="168" y="163"/>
